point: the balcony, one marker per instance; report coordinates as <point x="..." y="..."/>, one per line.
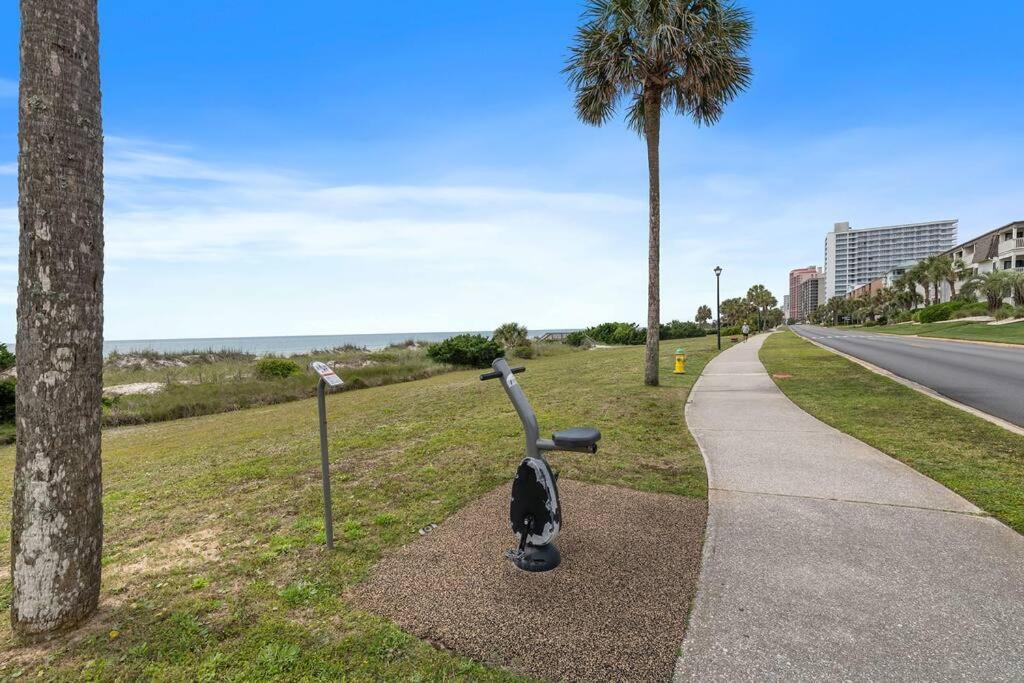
<point x="1011" y="245"/>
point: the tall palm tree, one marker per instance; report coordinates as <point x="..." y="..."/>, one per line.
<point x="686" y="55"/>
<point x="703" y="314"/>
<point x="57" y="523"/>
<point x="919" y="275"/>
<point x="761" y="299"/>
<point x="940" y="269"/>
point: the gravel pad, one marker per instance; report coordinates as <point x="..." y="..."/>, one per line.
<point x="615" y="609"/>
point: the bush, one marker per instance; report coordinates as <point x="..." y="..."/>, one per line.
<point x="623" y="334"/>
<point x="466" y="349"/>
<point x="1004" y="312"/>
<point x="971" y="309"/>
<point x="681" y="330"/>
<point x="869" y="323"/>
<point x="523" y="351"/>
<point x="276" y="368"/>
<point x="938" y="312"/>
<point x="7" y="400"/>
<point x="577" y="338"/>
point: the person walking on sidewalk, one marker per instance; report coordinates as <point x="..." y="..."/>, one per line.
<point x="746" y="331"/>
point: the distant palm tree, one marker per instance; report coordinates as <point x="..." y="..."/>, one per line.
<point x="511" y="335"/>
<point x="761" y="299"/>
<point x="703" y="314"/>
<point x="687" y="55"/>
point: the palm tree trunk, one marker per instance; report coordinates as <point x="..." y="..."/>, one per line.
<point x="652" y="132"/>
<point x="57" y="523"/>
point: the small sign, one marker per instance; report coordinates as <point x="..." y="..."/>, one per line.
<point x="326" y="373"/>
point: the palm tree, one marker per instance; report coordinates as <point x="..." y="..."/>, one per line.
<point x="994" y="285"/>
<point x="57" y="522"/>
<point x="703" y="315"/>
<point x="954" y="275"/>
<point x="940" y="269"/>
<point x="919" y="275"/>
<point x="511" y="335"/>
<point x="1016" y="280"/>
<point x="761" y="299"/>
<point x="686" y="55"/>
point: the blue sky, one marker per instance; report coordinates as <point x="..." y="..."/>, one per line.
<point x="304" y="168"/>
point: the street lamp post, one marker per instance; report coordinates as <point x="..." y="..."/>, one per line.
<point x="718" y="297"/>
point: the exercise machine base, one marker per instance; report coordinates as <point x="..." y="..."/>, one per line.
<point x="536" y="558"/>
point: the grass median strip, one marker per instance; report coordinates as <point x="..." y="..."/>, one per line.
<point x="1012" y="333"/>
<point x="980" y="461"/>
<point x="213" y="559"/>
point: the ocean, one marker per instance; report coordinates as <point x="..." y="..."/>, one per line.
<point x="283" y="345"/>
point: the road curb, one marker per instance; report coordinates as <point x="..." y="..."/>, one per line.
<point x="920" y="388"/>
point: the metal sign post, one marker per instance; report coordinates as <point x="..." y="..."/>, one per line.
<point x="328" y="378"/>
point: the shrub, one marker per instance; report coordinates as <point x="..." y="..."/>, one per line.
<point x="7" y="400"/>
<point x="511" y="335"/>
<point x="971" y="309"/>
<point x="732" y="331"/>
<point x="466" y="349"/>
<point x="680" y="330"/>
<point x="617" y="333"/>
<point x="869" y="323"/>
<point x="6" y="358"/>
<point x="1005" y="311"/>
<point x="938" y="312"/>
<point x="523" y="351"/>
<point x="577" y="338"/>
<point x="276" y="368"/>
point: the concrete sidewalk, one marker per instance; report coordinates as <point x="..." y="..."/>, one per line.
<point x="826" y="559"/>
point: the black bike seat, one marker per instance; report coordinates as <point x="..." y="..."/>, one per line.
<point x="577" y="439"/>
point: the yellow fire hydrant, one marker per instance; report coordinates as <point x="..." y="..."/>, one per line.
<point x="680" y="362"/>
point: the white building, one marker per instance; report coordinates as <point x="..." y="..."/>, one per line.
<point x="856" y="257"/>
<point x="999" y="249"/>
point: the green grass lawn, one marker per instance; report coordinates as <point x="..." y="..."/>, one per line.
<point x="1012" y="333"/>
<point x="980" y="461"/>
<point x="214" y="567"/>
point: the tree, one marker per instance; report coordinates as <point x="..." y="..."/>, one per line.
<point x="761" y="299"/>
<point x="703" y="315"/>
<point x="919" y="275"/>
<point x="735" y="311"/>
<point x="1016" y="280"/>
<point x="57" y="522"/>
<point x="511" y="335"/>
<point x="994" y="285"/>
<point x="686" y="55"/>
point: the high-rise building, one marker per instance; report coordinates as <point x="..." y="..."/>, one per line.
<point x="810" y="295"/>
<point x="854" y="257"/>
<point x="785" y="306"/>
<point x="796" y="276"/>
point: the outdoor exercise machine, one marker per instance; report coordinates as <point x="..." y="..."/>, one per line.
<point x="535" y="512"/>
<point x="328" y="378"/>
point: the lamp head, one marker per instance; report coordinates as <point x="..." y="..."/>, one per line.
<point x="718" y="270"/>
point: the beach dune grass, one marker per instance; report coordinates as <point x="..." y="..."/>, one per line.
<point x="214" y="567"/>
<point x="980" y="461"/>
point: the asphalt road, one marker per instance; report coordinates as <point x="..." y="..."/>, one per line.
<point x="989" y="378"/>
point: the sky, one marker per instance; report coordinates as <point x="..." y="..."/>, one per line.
<point x="338" y="168"/>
